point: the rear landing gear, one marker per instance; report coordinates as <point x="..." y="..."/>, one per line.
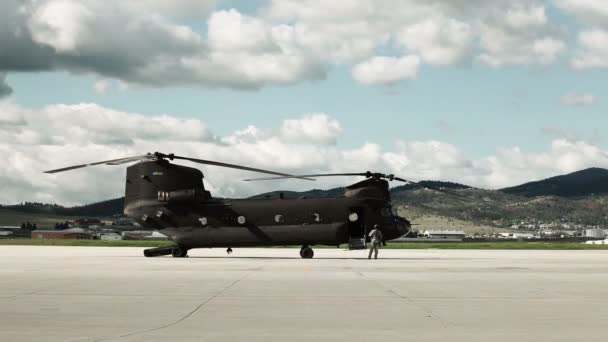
<point x="306" y="252"/>
<point x="229" y="250"/>
<point x="179" y="252"/>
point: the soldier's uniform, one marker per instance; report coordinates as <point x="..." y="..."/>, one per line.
<point x="376" y="237"/>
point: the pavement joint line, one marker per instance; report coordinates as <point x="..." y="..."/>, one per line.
<point x="410" y="300"/>
<point x="183" y="318"/>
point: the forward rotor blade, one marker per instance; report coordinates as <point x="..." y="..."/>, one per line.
<point x="240" y="167"/>
<point x="132" y="159"/>
<point x="107" y="162"/>
<point x="305" y="176"/>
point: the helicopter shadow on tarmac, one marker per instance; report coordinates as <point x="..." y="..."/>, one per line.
<point x="298" y="258"/>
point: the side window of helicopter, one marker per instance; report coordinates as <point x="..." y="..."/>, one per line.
<point x="316" y="217"/>
<point x="279" y="218"/>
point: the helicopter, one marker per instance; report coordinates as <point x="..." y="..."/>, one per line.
<point x="172" y="199"/>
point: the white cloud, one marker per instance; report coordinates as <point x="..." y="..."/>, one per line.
<point x="158" y="43"/>
<point x="594" y="12"/>
<point x="512" y="166"/>
<point x="119" y="40"/>
<point x="232" y="31"/>
<point x="181" y="9"/>
<point x="575" y="99"/>
<point x="386" y="70"/>
<point x="592" y="51"/>
<point x="592" y="41"/>
<point x="438" y="40"/>
<point x="521" y="36"/>
<point x="60" y="23"/>
<point x="317" y="128"/>
<point x="60" y="135"/>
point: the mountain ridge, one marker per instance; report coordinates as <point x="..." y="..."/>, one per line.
<point x="538" y="198"/>
<point x="585" y="182"/>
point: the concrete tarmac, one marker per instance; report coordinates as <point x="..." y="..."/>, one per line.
<point x="78" y="294"/>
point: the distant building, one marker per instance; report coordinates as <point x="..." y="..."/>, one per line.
<point x="87" y="222"/>
<point x="9" y="227"/>
<point x="595" y="233"/>
<point x="452" y="235"/>
<point x="69" y="234"/>
<point x="527" y="236"/>
<point x="143" y="235"/>
<point x="13" y="232"/>
<point x="123" y="221"/>
<point x="516" y="236"/>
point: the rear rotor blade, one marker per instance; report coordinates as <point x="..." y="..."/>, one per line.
<point x="305" y="176"/>
<point x="107" y="162"/>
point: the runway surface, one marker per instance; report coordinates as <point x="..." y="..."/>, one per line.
<point x="71" y="294"/>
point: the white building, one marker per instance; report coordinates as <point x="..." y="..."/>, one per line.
<point x="523" y="236"/>
<point x="595" y="233"/>
<point x="453" y="235"/>
<point x="597" y="242"/>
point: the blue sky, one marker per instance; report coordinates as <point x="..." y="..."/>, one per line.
<point x="486" y="93"/>
<point x="477" y="108"/>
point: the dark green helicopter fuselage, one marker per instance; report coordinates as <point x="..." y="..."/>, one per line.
<point x="172" y="199"/>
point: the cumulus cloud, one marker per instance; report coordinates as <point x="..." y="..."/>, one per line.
<point x="180" y="9"/>
<point x="438" y="40"/>
<point x="154" y="43"/>
<point x="33" y="140"/>
<point x="118" y="40"/>
<point x="386" y="70"/>
<point x="318" y="128"/>
<point x="593" y="12"/>
<point x="521" y="35"/>
<point x="575" y="99"/>
<point x="592" y="51"/>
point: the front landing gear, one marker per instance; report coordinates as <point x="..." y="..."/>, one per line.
<point x="179" y="252"/>
<point x="306" y="252"/>
<point x="229" y="250"/>
<point x="175" y="251"/>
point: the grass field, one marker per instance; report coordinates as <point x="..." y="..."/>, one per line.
<point x="506" y="245"/>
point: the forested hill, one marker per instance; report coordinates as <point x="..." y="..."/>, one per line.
<point x="104" y="208"/>
<point x="581" y="183"/>
<point x="571" y="194"/>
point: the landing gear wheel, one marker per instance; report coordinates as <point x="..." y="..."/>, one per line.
<point x="179" y="252"/>
<point x="306" y="252"/>
<point x="229" y="250"/>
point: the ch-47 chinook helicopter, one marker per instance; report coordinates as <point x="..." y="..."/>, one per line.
<point x="172" y="199"/>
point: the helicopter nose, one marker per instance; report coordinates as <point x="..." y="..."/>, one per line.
<point x="403" y="225"/>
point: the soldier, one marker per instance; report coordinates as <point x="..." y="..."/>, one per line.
<point x="376" y="237"/>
